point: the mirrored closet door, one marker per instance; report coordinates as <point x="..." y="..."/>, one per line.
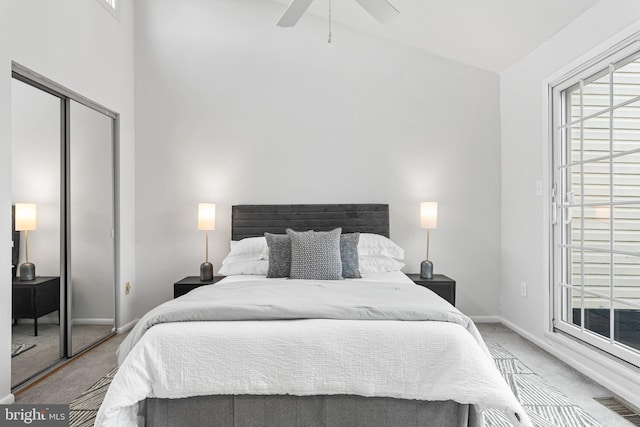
<point x="36" y="338"/>
<point x="91" y="226"/>
<point x="64" y="170"/>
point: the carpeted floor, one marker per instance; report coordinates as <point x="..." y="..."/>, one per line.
<point x="45" y="353"/>
<point x="545" y="405"/>
<point x="69" y="381"/>
<point x="47" y="346"/>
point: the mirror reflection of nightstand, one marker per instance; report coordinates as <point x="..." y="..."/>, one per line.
<point x="35" y="298"/>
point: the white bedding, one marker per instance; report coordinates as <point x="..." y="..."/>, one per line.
<point x="410" y="359"/>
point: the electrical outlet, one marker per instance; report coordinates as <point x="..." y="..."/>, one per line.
<point x="523" y="289"/>
<point x="127" y="288"/>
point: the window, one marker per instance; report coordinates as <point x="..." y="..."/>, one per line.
<point x="596" y="204"/>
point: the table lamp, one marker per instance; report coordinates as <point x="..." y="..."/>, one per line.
<point x="206" y="221"/>
<point x="428" y="220"/>
<point x="26" y="221"/>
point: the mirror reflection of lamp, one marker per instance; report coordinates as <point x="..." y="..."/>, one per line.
<point x="206" y="221"/>
<point x="428" y="220"/>
<point x="26" y="221"/>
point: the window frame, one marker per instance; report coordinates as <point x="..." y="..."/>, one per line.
<point x="604" y="63"/>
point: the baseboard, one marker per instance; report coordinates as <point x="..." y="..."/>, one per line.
<point x="44" y="320"/>
<point x="127" y="327"/>
<point x="518" y="330"/>
<point x="486" y="319"/>
<point x="611" y="374"/>
<point x="51" y="320"/>
<point x="100" y="322"/>
<point x="8" y="399"/>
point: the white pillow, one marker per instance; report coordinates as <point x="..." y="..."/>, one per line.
<point x="249" y="249"/>
<point x="377" y="245"/>
<point x="245" y="267"/>
<point x="378" y="264"/>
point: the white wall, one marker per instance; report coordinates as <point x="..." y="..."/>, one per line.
<point x="524" y="233"/>
<point x="231" y="109"/>
<point x="78" y="44"/>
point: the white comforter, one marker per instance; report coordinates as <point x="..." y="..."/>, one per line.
<point x="411" y="359"/>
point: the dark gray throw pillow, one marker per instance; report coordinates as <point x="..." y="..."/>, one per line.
<point x="349" y="255"/>
<point x="279" y="255"/>
<point x="315" y="255"/>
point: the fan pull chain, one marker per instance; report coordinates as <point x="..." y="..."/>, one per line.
<point x="329" y="22"/>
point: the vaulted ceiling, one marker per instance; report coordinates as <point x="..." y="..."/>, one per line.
<point x="488" y="34"/>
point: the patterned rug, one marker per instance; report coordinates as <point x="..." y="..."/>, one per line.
<point x="545" y="405"/>
<point x="17" y="349"/>
<point x="83" y="410"/>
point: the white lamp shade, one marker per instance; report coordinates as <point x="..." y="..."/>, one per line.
<point x="429" y="215"/>
<point x="206" y="216"/>
<point x="25" y="216"/>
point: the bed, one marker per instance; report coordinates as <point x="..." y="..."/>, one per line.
<point x="256" y="351"/>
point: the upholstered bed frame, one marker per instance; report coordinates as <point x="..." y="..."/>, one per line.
<point x="307" y="411"/>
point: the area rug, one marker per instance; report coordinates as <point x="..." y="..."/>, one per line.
<point x="83" y="410"/>
<point x="17" y="349"/>
<point x="545" y="405"/>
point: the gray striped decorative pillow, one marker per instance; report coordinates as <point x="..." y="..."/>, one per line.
<point x="315" y="255"/>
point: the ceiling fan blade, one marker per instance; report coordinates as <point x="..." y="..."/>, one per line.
<point x="292" y="15"/>
<point x="381" y="10"/>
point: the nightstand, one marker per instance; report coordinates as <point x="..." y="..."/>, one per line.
<point x="190" y="283"/>
<point x="32" y="299"/>
<point x="440" y="284"/>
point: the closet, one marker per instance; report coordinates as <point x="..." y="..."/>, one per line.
<point x="64" y="151"/>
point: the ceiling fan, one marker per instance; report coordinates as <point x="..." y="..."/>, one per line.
<point x="381" y="10"/>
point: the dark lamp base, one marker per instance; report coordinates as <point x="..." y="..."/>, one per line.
<point x="426" y="269"/>
<point x="27" y="271"/>
<point x="206" y="271"/>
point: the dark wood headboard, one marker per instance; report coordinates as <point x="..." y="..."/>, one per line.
<point x="255" y="220"/>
